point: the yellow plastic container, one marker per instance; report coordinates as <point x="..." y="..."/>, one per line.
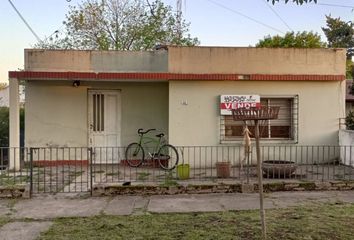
<point x="183" y="171"/>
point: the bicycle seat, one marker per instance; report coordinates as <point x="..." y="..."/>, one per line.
<point x="160" y="135"/>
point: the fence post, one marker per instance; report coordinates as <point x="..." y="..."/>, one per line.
<point x="31" y="172"/>
<point x="91" y="177"/>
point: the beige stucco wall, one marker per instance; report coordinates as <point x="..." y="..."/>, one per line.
<point x="56" y="112"/>
<point x="194" y="115"/>
<point x="95" y="61"/>
<point x="256" y="60"/>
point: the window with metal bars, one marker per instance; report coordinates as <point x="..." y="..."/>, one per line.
<point x="98" y="112"/>
<point x="283" y="128"/>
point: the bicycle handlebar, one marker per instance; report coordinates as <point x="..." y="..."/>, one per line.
<point x="141" y="131"/>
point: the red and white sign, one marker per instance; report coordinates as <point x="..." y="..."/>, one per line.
<point x="229" y="102"/>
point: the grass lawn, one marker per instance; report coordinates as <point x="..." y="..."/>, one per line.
<point x="335" y="221"/>
<point x="3" y="221"/>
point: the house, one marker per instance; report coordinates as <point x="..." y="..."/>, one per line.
<point x="101" y="98"/>
<point x="4" y="95"/>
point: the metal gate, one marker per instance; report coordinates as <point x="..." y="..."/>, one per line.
<point x="60" y="170"/>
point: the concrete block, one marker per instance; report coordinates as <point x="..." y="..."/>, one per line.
<point x="247" y="188"/>
<point x="27" y="192"/>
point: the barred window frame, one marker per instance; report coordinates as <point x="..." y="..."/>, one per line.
<point x="293" y="113"/>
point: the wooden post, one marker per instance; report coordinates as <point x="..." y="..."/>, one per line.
<point x="260" y="180"/>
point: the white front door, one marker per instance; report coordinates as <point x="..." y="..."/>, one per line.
<point x="104" y="123"/>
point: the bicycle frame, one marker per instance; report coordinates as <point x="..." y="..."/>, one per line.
<point x="165" y="154"/>
<point x="157" y="142"/>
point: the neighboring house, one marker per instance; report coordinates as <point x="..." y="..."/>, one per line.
<point x="349" y="97"/>
<point x="4" y="96"/>
<point x="101" y="98"/>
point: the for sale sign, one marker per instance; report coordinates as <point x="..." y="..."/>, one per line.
<point x="229" y="102"/>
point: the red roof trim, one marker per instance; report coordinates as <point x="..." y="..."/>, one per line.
<point x="28" y="75"/>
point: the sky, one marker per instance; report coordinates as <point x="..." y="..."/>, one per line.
<point x="214" y="22"/>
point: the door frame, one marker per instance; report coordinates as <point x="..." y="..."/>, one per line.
<point x="119" y="112"/>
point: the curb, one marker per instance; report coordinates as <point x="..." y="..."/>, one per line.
<point x="118" y="189"/>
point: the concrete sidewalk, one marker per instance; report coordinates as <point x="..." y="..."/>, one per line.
<point x="43" y="209"/>
<point x="53" y="206"/>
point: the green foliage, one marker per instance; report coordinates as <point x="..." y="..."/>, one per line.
<point x="4" y="220"/>
<point x="143" y="176"/>
<point x="169" y="180"/>
<point x="349" y="69"/>
<point x="4" y="125"/>
<point x="291" y="40"/>
<point x="120" y="25"/>
<point x="299" y="2"/>
<point x="340" y="34"/>
<point x="349" y="120"/>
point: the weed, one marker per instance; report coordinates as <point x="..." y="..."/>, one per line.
<point x="113" y="174"/>
<point x="143" y="176"/>
<point x="169" y="180"/>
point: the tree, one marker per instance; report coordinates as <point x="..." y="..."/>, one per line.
<point x="295" y="1"/>
<point x="349" y="121"/>
<point x="120" y="25"/>
<point x="4" y="125"/>
<point x="291" y="40"/>
<point x="340" y="34"/>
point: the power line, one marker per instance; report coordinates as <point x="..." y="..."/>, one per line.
<point x="331" y="5"/>
<point x="335" y="5"/>
<point x="245" y="16"/>
<point x="275" y="12"/>
<point x="28" y="26"/>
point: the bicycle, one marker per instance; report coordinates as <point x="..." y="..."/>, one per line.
<point x="164" y="153"/>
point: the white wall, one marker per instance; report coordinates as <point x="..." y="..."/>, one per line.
<point x="321" y="104"/>
<point x="346" y="143"/>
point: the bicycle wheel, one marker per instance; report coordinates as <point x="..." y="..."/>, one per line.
<point x="168" y="157"/>
<point x="134" y="155"/>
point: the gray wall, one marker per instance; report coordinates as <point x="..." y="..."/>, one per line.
<point x="95" y="61"/>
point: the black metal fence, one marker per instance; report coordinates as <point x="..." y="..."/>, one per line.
<point x="46" y="170"/>
<point x="77" y="169"/>
<point x="19" y="173"/>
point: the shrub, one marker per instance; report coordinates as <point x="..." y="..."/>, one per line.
<point x="349" y="121"/>
<point x="4" y="126"/>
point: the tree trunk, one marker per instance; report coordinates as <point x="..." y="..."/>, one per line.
<point x="260" y="181"/>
